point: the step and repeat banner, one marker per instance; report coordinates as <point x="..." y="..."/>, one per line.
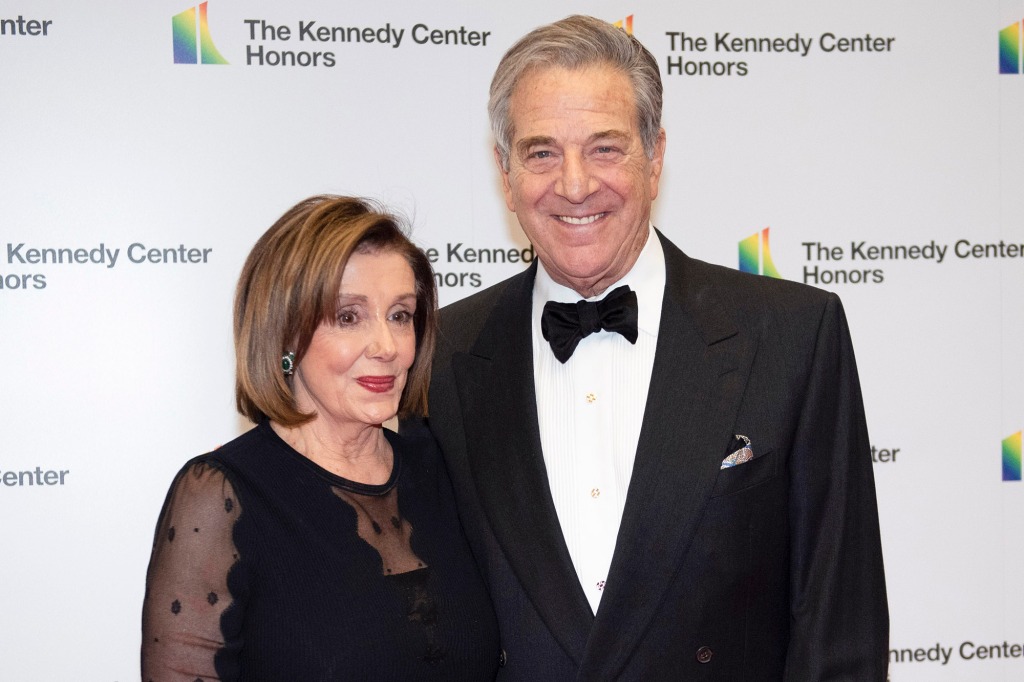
<point x="875" y="149"/>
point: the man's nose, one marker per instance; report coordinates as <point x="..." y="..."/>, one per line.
<point x="575" y="183"/>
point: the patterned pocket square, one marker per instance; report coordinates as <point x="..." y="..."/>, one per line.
<point x="744" y="454"/>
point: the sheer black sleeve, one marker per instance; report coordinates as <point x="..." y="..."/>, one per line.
<point x="187" y="582"/>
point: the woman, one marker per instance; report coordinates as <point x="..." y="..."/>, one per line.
<point x="320" y="546"/>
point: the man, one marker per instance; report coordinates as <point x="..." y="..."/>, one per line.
<point x="689" y="495"/>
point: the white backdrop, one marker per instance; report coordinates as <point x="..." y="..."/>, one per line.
<point x="117" y="371"/>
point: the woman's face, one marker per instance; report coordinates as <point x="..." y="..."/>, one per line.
<point x="356" y="366"/>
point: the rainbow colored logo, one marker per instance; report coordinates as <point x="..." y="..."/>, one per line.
<point x="1009" y="49"/>
<point x="756" y="255"/>
<point x="625" y="24"/>
<point x="185" y="27"/>
<point x="1011" y="457"/>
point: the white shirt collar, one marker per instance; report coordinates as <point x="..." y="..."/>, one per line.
<point x="646" y="278"/>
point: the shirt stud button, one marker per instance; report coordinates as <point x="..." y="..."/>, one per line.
<point x="704" y="654"/>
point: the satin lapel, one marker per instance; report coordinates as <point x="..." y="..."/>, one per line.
<point x="700" y="369"/>
<point x="499" y="412"/>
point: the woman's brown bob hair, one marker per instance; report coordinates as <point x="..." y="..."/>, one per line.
<point x="289" y="286"/>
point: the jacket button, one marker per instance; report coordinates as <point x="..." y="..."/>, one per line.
<point x="704" y="654"/>
<point x="502" y="659"/>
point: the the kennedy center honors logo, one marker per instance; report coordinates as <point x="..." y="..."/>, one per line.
<point x="192" y="42"/>
<point x="1009" y="48"/>
<point x="756" y="255"/>
<point x="1011" y="457"/>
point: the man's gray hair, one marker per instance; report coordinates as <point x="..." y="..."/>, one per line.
<point x="577" y="42"/>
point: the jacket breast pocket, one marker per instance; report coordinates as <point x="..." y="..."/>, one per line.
<point x="747" y="475"/>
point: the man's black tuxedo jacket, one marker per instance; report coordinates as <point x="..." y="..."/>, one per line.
<point x="771" y="570"/>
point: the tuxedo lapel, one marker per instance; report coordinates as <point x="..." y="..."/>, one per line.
<point x="700" y="368"/>
<point x="499" y="413"/>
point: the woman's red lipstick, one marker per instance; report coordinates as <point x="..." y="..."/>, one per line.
<point x="377" y="384"/>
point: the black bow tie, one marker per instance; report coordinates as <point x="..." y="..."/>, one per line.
<point x="564" y="325"/>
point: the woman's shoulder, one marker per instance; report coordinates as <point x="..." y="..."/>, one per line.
<point x="211" y="474"/>
<point x="240" y="452"/>
<point x="204" y="486"/>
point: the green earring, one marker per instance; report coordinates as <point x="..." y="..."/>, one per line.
<point x="288" y="363"/>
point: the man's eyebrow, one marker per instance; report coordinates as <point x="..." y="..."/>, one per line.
<point x="608" y="135"/>
<point x="524" y="145"/>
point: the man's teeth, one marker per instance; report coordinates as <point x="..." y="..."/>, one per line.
<point x="579" y="221"/>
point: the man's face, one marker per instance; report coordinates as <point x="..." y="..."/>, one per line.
<point x="578" y="178"/>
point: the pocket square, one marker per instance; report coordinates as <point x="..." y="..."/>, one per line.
<point x="744" y="454"/>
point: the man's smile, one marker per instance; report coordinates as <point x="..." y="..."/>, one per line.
<point x="584" y="220"/>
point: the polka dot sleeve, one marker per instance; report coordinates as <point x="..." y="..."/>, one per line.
<point x="187" y="582"/>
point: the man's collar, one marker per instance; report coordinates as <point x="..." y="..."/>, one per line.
<point x="646" y="278"/>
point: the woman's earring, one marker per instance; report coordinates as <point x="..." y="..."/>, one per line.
<point x="288" y="363"/>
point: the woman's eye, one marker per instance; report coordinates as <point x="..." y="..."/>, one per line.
<point x="402" y="317"/>
<point x="347" y="317"/>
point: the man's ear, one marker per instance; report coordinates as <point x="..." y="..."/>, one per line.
<point x="657" y="163"/>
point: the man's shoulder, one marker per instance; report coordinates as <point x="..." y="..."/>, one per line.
<point x="745" y="296"/>
<point x="462" y="321"/>
<point x="474" y="304"/>
<point x="758" y="285"/>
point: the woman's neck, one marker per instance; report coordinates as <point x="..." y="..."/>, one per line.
<point x="358" y="452"/>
